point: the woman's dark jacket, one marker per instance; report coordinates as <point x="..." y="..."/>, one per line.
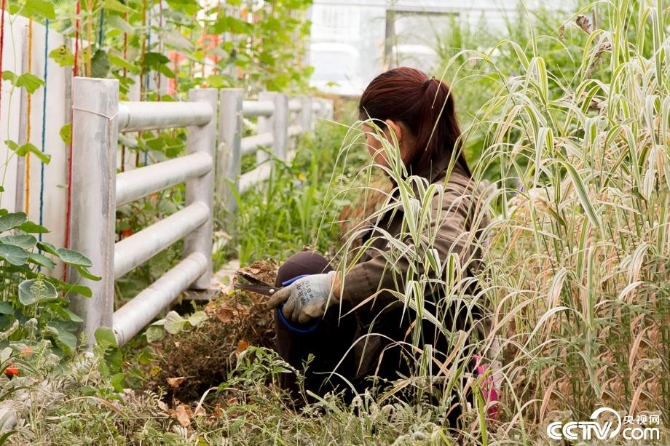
<point x="383" y="319"/>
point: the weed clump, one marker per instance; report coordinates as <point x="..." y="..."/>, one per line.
<point x="205" y="356"/>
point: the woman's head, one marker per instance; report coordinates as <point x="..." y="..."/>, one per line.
<point x="421" y="109"/>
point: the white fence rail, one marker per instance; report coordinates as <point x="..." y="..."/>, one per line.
<point x="274" y="130"/>
<point x="98" y="118"/>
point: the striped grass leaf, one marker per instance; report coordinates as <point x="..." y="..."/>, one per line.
<point x="582" y="193"/>
<point x="629" y="289"/>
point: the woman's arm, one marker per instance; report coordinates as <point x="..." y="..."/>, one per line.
<point x="372" y="280"/>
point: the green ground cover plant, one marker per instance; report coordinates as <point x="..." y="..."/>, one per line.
<point x="299" y="206"/>
<point x="33" y="303"/>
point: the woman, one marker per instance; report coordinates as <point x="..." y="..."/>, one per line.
<point x="359" y="325"/>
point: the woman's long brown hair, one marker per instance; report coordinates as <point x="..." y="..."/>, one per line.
<point x="426" y="107"/>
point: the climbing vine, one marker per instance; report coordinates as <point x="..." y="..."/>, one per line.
<point x="169" y="46"/>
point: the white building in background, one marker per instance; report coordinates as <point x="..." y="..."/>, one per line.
<point x="354" y="40"/>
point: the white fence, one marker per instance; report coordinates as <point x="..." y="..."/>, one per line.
<point x="98" y="118"/>
<point x="274" y="130"/>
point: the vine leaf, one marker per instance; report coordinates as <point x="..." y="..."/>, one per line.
<point x="105" y="337"/>
<point x="27" y="80"/>
<point x="33" y="228"/>
<point x="73" y="257"/>
<point x="78" y="289"/>
<point x="41" y="260"/>
<point x="31" y="8"/>
<point x="176" y="40"/>
<point x="117" y="22"/>
<point x="154" y="333"/>
<point x="13" y="254"/>
<point x="187" y="6"/>
<point x="36" y="290"/>
<point x="62" y="56"/>
<point x="115" y="5"/>
<point x="231" y="24"/>
<point x="174" y="323"/>
<point x="47" y="247"/>
<point x="13" y="220"/>
<point x="100" y="65"/>
<point x="27" y="148"/>
<point x="68" y="315"/>
<point x="25" y="242"/>
<point x="66" y="133"/>
<point x="63" y="336"/>
<point x="79" y="261"/>
<point x="5" y="308"/>
<point x="197" y="318"/>
<point x="158" y="62"/>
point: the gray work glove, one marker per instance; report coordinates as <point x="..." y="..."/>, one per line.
<point x="306" y="298"/>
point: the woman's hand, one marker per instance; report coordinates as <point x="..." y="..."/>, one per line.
<point x="306" y="298"/>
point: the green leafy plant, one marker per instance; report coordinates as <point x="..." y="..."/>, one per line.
<point x="298" y="206"/>
<point x="239" y="43"/>
<point x="173" y="323"/>
<point x="29" y="297"/>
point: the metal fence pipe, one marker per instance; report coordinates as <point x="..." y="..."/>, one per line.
<point x="294" y="130"/>
<point x="230" y="139"/>
<point x="306" y="115"/>
<point x="143" y="308"/>
<point x="278" y="123"/>
<point x="251" y="143"/>
<point x="331" y="110"/>
<point x="259" y="174"/>
<point x="258" y="108"/>
<point x="138" y="183"/>
<point x="202" y="139"/>
<point x="280" y="145"/>
<point x="253" y="177"/>
<point x="133" y="251"/>
<point x="327" y="107"/>
<point x="92" y="232"/>
<point x="316" y="107"/>
<point x="295" y="104"/>
<point x="265" y="125"/>
<point x="323" y="109"/>
<point x="134" y="116"/>
<point x="24" y="118"/>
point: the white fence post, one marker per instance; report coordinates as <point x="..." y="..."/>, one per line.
<point x="280" y="125"/>
<point x="328" y="107"/>
<point x="306" y="115"/>
<point x="202" y="139"/>
<point x="277" y="124"/>
<point x="230" y="145"/>
<point x="94" y="135"/>
<point x="266" y="125"/>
